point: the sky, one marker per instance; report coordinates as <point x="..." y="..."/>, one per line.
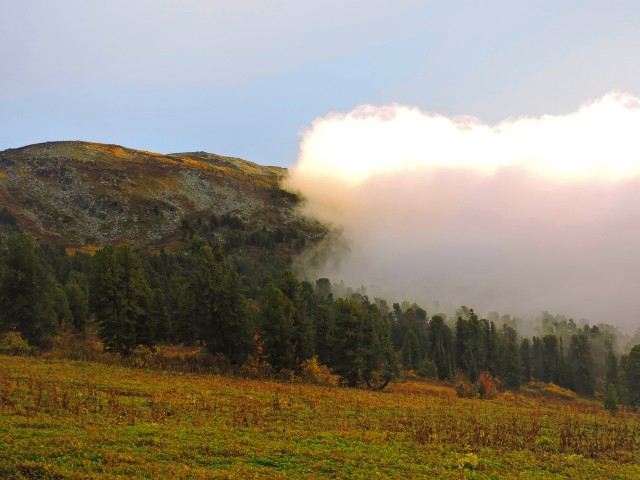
<point x="478" y="153"/>
<point x="247" y="78"/>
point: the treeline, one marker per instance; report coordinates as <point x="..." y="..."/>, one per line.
<point x="200" y="296"/>
<point x="195" y="296"/>
<point x="237" y="235"/>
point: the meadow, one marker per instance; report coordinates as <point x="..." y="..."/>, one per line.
<point x="70" y="419"/>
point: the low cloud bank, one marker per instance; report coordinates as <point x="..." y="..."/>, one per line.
<point x="527" y="215"/>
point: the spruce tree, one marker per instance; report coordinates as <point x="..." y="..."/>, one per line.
<point x="118" y="295"/>
<point x="441" y="347"/>
<point x="611" y="399"/>
<point x="220" y="306"/>
<point x="611" y="364"/>
<point x="581" y="364"/>
<point x="525" y="359"/>
<point x="510" y="365"/>
<point x="550" y="359"/>
<point x="363" y="349"/>
<point x="78" y="298"/>
<point x="631" y="376"/>
<point x="278" y="327"/>
<point x="303" y="329"/>
<point x="410" y="351"/>
<point x="29" y="298"/>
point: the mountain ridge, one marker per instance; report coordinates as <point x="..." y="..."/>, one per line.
<point x="77" y="193"/>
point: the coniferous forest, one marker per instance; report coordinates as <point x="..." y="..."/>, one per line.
<point x="244" y="313"/>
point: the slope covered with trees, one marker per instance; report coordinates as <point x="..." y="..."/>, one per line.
<point x="197" y="296"/>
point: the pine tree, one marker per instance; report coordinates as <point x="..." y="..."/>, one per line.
<point x="410" y="351"/>
<point x="510" y="367"/>
<point x="220" y="307"/>
<point x="29" y="297"/>
<point x="303" y="329"/>
<point x="525" y="359"/>
<point x="536" y="358"/>
<point x="61" y="306"/>
<point x="78" y="298"/>
<point x="611" y="399"/>
<point x="323" y="333"/>
<point x="550" y="359"/>
<point x="460" y="342"/>
<point x="611" y="364"/>
<point x="278" y="327"/>
<point x="581" y="364"/>
<point x="631" y="376"/>
<point x="181" y="303"/>
<point x="441" y="347"/>
<point x="136" y="293"/>
<point x="119" y="295"/>
<point x="363" y="349"/>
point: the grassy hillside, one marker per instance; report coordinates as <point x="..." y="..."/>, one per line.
<point x="61" y="419"/>
<point x="79" y="194"/>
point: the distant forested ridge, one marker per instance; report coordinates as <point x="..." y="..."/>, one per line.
<point x="247" y="312"/>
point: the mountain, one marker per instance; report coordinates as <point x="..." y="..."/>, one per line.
<point x="81" y="194"/>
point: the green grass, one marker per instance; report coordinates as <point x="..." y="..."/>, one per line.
<point x="61" y="419"/>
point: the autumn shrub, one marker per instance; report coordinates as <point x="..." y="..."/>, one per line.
<point x="74" y="346"/>
<point x="189" y="359"/>
<point x="312" y="372"/>
<point x="543" y="442"/>
<point x="141" y="357"/>
<point x="486" y="386"/>
<point x="470" y="461"/>
<point x="257" y="368"/>
<point x="408" y="375"/>
<point x="553" y="390"/>
<point x="12" y="343"/>
<point x="547" y="390"/>
<point x="466" y="390"/>
<point x="287" y="375"/>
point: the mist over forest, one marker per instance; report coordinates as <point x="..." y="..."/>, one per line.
<point x="528" y="215"/>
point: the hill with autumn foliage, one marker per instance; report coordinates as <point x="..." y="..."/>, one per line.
<point x="81" y="194"/>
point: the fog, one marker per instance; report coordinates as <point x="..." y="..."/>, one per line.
<point x="526" y="215"/>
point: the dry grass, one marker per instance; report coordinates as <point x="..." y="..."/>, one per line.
<point x="65" y="419"/>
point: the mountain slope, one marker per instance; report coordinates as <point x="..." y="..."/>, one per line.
<point x="80" y="193"/>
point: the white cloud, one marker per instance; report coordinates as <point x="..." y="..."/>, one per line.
<point x="526" y="215"/>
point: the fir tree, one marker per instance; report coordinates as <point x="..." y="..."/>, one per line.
<point x="30" y="301"/>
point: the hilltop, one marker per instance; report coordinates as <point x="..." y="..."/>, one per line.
<point x="79" y="194"/>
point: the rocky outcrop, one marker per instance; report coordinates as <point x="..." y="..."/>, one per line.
<point x="80" y="193"/>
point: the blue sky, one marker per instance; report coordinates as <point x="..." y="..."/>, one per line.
<point x="244" y="78"/>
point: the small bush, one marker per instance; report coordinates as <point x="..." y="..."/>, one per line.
<point x="545" y="443"/>
<point x="12" y="343"/>
<point x="611" y="399"/>
<point x="73" y="346"/>
<point x="287" y="375"/>
<point x="486" y="386"/>
<point x="256" y="368"/>
<point x="427" y="368"/>
<point x="312" y="372"/>
<point x="466" y="390"/>
<point x="184" y="358"/>
<point x="142" y="357"/>
<point x="547" y="390"/>
<point x="469" y="461"/>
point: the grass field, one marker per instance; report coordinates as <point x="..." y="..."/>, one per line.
<point x="61" y="419"/>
